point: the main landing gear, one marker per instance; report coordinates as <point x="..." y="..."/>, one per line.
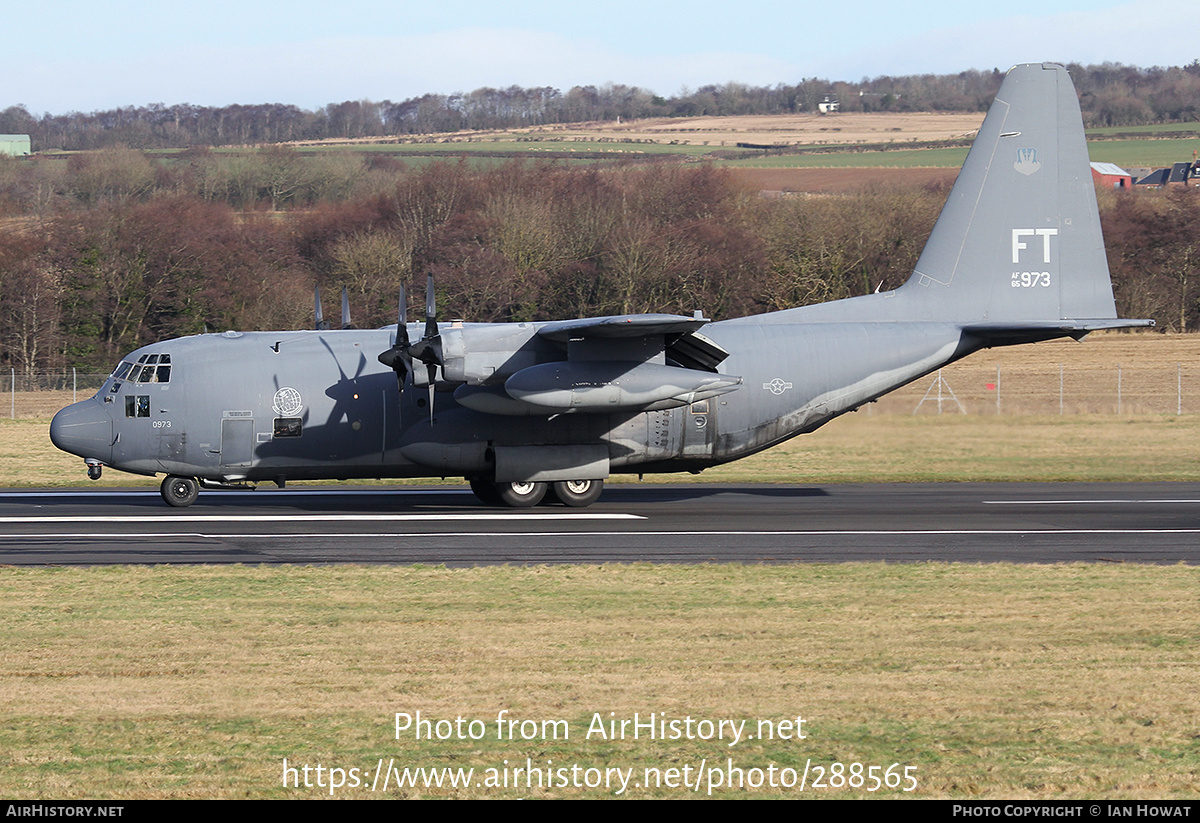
<point x="180" y="491"/>
<point x="574" y="493"/>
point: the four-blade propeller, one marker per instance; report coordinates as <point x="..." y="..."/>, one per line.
<point x="427" y="350"/>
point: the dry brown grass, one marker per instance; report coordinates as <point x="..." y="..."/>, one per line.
<point x="798" y="129"/>
<point x="789" y="129"/>
<point x="994" y="681"/>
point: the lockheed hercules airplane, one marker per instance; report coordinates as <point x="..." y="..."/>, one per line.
<point x="523" y="410"/>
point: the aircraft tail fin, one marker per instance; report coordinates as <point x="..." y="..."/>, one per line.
<point x="1018" y="243"/>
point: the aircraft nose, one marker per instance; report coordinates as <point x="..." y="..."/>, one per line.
<point x="84" y="429"/>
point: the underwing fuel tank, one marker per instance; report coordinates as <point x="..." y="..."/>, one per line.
<point x="599" y="386"/>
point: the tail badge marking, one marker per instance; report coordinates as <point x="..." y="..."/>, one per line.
<point x="1027" y="162"/>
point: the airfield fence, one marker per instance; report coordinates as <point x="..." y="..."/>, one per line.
<point x="1169" y="388"/>
<point x="39" y="395"/>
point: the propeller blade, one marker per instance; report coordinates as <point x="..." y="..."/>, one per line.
<point x="319" y="315"/>
<point x="427" y="350"/>
<point x="399" y="357"/>
<point x="432" y="389"/>
<point x="431" y="328"/>
<point x="402" y="324"/>
<point x="347" y="323"/>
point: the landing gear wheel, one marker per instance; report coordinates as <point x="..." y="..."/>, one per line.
<point x="577" y="493"/>
<point x="521" y="495"/>
<point x="180" y="491"/>
<point x="485" y="490"/>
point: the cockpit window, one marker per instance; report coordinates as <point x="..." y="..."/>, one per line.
<point x="150" y="368"/>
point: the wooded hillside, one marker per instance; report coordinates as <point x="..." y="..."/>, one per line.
<point x="1110" y="94"/>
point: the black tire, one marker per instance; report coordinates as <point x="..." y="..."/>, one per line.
<point x="521" y="495"/>
<point x="485" y="490"/>
<point x="180" y="492"/>
<point x="578" y="493"/>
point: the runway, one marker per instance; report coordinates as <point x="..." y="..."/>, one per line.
<point x="670" y="523"/>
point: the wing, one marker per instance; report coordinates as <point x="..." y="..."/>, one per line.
<point x="597" y="365"/>
<point x="681" y="341"/>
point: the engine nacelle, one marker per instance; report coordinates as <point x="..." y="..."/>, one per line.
<point x="477" y="353"/>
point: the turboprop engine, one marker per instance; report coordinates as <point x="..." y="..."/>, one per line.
<point x="597" y="365"/>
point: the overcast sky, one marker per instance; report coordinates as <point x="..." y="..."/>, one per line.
<point x="94" y="55"/>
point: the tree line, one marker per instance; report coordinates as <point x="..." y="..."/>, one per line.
<point x="1110" y="94"/>
<point x="84" y="280"/>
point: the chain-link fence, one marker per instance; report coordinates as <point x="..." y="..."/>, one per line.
<point x="1168" y="388"/>
<point x="41" y="394"/>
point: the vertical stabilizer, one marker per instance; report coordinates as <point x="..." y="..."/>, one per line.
<point x="1018" y="242"/>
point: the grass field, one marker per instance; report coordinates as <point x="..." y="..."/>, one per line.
<point x="1125" y="153"/>
<point x="843" y="135"/>
<point x="1155" y="130"/>
<point x="988" y="681"/>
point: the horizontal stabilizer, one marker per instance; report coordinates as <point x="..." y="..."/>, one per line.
<point x="1007" y="334"/>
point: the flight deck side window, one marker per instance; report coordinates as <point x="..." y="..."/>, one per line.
<point x="288" y="427"/>
<point x="137" y="405"/>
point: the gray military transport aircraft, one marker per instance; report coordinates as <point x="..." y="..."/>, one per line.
<point x="526" y="410"/>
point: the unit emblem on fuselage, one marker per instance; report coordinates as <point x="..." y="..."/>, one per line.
<point x="287" y="402"/>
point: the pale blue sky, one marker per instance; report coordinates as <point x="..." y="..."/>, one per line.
<point x="87" y="56"/>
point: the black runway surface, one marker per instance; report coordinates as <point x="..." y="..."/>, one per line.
<point x="960" y="522"/>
